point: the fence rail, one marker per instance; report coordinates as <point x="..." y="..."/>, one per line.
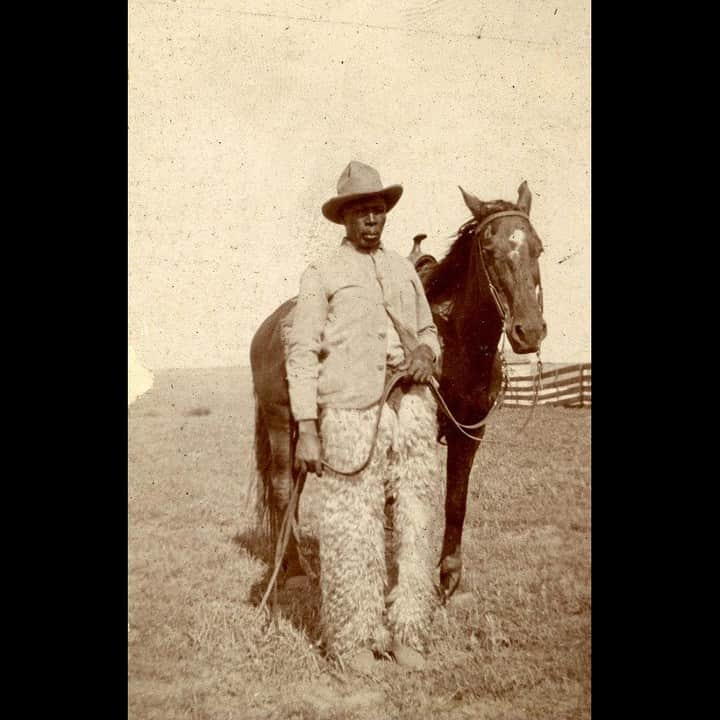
<point x="565" y="386"/>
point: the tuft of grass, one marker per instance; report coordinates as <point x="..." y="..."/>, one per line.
<point x="514" y="644"/>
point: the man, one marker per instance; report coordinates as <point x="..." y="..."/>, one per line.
<point x="360" y="315"/>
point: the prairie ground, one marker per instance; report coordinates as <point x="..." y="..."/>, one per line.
<point x="514" y="643"/>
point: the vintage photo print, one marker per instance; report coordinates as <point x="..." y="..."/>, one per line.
<point x="359" y="359"/>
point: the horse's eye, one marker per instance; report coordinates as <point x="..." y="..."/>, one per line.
<point x="488" y="248"/>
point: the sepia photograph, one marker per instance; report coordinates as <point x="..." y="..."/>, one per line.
<point x="359" y="360"/>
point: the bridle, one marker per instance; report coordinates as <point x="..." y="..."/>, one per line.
<point x="500" y="302"/>
<point x="502" y="307"/>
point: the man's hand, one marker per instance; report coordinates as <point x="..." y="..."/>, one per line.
<point x="420" y="364"/>
<point x="308" y="451"/>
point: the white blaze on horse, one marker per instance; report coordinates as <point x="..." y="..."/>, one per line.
<point x="487" y="284"/>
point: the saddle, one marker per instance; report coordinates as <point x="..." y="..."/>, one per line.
<point x="422" y="262"/>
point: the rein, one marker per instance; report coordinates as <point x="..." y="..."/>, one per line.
<point x="391" y="383"/>
<point x="289" y="525"/>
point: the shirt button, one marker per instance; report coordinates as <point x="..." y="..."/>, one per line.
<point x="381" y="335"/>
<point x="381" y="366"/>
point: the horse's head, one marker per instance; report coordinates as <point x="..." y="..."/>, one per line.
<point x="509" y="249"/>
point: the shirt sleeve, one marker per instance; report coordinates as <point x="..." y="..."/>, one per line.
<point x="426" y="330"/>
<point x="304" y="342"/>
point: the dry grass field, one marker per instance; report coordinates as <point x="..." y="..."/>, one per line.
<point x="514" y="644"/>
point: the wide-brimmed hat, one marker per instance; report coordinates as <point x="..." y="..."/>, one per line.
<point x="359" y="181"/>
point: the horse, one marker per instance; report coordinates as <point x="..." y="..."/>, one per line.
<point x="487" y="283"/>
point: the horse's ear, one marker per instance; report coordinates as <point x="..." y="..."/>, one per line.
<point x="524" y="197"/>
<point x="474" y="205"/>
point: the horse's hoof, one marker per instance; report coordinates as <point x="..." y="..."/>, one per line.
<point x="450" y="575"/>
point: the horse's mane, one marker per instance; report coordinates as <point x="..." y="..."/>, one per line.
<point x="449" y="274"/>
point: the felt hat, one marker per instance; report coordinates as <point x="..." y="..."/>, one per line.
<point x="359" y="181"/>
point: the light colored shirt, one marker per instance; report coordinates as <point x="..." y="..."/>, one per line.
<point x="341" y="341"/>
<point x="394" y="353"/>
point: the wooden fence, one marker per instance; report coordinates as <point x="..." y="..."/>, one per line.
<point x="564" y="385"/>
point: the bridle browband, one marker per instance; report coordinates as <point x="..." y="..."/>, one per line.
<point x="501" y="213"/>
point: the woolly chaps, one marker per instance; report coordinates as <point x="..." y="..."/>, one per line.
<point x="355" y="610"/>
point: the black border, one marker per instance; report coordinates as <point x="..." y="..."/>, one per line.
<point x="76" y="272"/>
<point x="79" y="336"/>
<point x="639" y="388"/>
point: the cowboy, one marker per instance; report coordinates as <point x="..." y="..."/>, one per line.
<point x="361" y="315"/>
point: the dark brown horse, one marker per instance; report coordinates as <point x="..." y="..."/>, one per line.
<point x="488" y="282"/>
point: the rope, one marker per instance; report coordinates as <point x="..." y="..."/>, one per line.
<point x="289" y="526"/>
<point x="286" y="528"/>
<point x="391" y="383"/>
<point x="536" y="383"/>
<point x="434" y="386"/>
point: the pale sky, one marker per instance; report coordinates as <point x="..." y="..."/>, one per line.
<point x="243" y="114"/>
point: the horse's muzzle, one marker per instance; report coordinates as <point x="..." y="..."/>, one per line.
<point x="526" y="337"/>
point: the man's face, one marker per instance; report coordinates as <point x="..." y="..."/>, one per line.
<point x="364" y="222"/>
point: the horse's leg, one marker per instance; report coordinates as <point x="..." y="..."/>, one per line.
<point x="279" y="432"/>
<point x="460" y="455"/>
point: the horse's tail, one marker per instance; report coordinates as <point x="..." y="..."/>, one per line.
<point x="265" y="507"/>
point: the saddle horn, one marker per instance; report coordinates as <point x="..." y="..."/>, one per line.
<point x="416" y="253"/>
